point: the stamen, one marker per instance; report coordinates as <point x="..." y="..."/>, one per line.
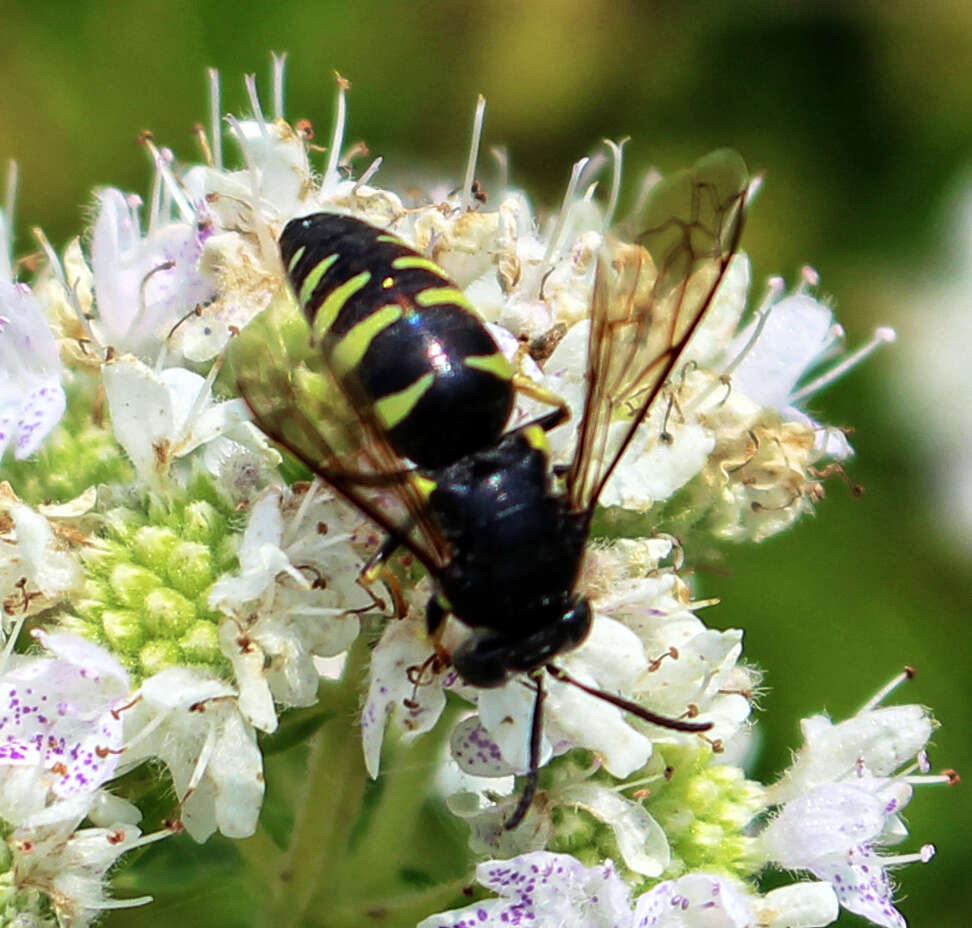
<point x="808" y="278"/>
<point x="503" y="160"/>
<point x="945" y="778"/>
<point x="171" y="184"/>
<point x="199" y="131"/>
<point x="237" y="129"/>
<point x="215" y="123"/>
<point x="882" y="336"/>
<point x="110" y="903"/>
<point x="589" y="192"/>
<point x="10" y="191"/>
<point x="465" y="198"/>
<point x="337" y="133"/>
<point x="203" y="396"/>
<point x="558" y="229"/>
<point x="908" y="673"/>
<point x="774" y="287"/>
<point x="617" y="156"/>
<point x="249" y="81"/>
<point x="289" y="533"/>
<point x="155" y="201"/>
<point x="72" y="296"/>
<point x="279" y="65"/>
<point x="651" y="178"/>
<point x="133" y="201"/>
<point x="7" y="218"/>
<point x="926" y="853"/>
<point x="142" y="303"/>
<point x="368" y="174"/>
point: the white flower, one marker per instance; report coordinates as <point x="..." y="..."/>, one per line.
<point x="60" y="732"/>
<point x="785" y="341"/>
<point x="544" y="889"/>
<point x="831" y="831"/>
<point x="696" y="900"/>
<point x="144" y="285"/>
<point x="394" y="691"/>
<point x="36" y="570"/>
<point x="541" y="888"/>
<point x="32" y="399"/>
<point x="159" y="417"/>
<point x="192" y="723"/>
<point x="69" y="864"/>
<point x="291" y="601"/>
<point x="841" y="798"/>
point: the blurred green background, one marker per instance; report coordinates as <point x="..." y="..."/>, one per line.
<point x="861" y="118"/>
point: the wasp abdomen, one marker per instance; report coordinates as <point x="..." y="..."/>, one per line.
<point x="396" y="330"/>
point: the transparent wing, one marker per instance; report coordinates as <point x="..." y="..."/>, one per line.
<point x="649" y="298"/>
<point x="298" y="404"/>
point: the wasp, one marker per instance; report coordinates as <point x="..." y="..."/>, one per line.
<point x="399" y="399"/>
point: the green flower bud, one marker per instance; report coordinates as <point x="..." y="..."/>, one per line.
<point x="189" y="567"/>
<point x="200" y="644"/>
<point x="132" y="584"/>
<point x="124" y="629"/>
<point x="168" y="612"/>
<point x="158" y="655"/>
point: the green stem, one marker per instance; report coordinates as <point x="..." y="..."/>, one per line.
<point x="395" y="822"/>
<point x="327" y="806"/>
<point x="399" y="910"/>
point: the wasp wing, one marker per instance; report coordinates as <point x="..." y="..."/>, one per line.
<point x="649" y="299"/>
<point x="296" y="401"/>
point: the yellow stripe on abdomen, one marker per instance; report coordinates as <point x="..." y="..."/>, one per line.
<point x="394" y="407"/>
<point x="346" y="355"/>
<point x="495" y="364"/>
<point x="313" y="277"/>
<point x="439" y="296"/>
<point x="335" y="301"/>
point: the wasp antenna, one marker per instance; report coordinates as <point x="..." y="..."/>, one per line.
<point x="536" y="733"/>
<point x="646" y="715"/>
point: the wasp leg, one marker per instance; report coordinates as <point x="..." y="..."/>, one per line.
<point x="536" y="734"/>
<point x="527" y="385"/>
<point x="376" y="570"/>
<point x="539" y="392"/>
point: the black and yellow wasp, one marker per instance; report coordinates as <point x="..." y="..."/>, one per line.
<point x="399" y="398"/>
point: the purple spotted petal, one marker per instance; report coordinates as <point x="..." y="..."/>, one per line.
<point x="31" y="397"/>
<point x="475" y="752"/>
<point x="862" y="886"/>
<point x="541" y="888"/>
<point x="57" y="714"/>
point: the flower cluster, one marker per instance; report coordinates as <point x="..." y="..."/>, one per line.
<point x="186" y="585"/>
